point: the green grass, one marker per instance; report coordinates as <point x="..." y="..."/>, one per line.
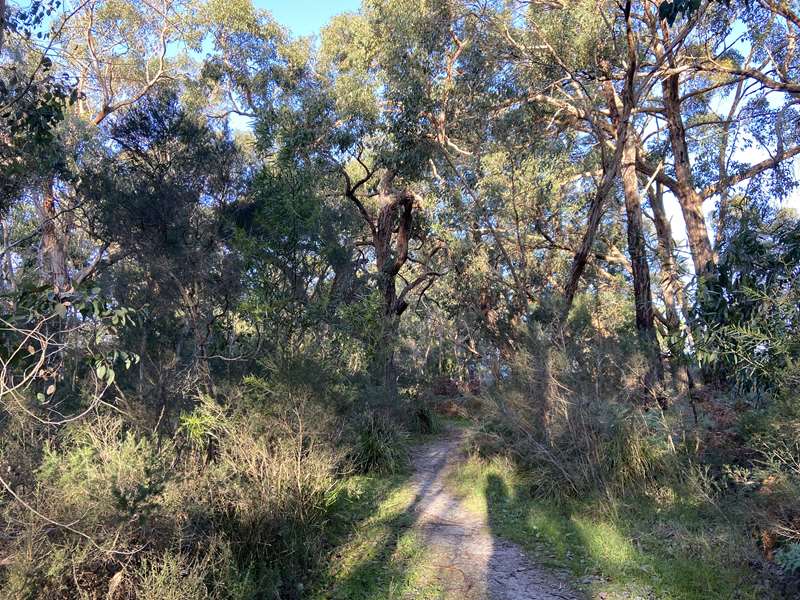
<point x="672" y="547"/>
<point x="381" y="558"/>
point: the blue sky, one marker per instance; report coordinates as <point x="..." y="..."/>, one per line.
<point x="305" y="17"/>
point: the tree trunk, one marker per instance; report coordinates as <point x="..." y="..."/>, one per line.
<point x="7" y="263"/>
<point x="595" y="214"/>
<point x="621" y="118"/>
<point x="690" y="200"/>
<point x="645" y="319"/>
<point x="53" y="249"/>
<point x="671" y="286"/>
<point x="389" y="261"/>
<point x="344" y="277"/>
<point x="387" y="286"/>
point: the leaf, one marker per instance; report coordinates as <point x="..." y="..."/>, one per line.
<point x="40" y="397"/>
<point x="31" y="349"/>
<point x="61" y="309"/>
<point x="51" y="389"/>
<point x="101" y="371"/>
<point x="111" y="376"/>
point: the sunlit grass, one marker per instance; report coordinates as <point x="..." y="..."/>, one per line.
<point x="620" y="548"/>
<point x="384" y="558"/>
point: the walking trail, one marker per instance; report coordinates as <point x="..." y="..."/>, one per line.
<point x="469" y="561"/>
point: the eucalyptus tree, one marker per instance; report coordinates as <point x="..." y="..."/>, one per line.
<point x="718" y="107"/>
<point x="114" y="55"/>
<point x="365" y="126"/>
<point x="578" y="81"/>
<point x="120" y="51"/>
<point x="622" y="85"/>
<point x="33" y="99"/>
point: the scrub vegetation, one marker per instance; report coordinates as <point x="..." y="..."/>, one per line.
<point x="246" y="278"/>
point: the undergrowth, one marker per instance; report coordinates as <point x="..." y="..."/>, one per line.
<point x="245" y="500"/>
<point x="668" y="544"/>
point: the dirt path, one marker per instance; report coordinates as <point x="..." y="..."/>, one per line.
<point x="469" y="562"/>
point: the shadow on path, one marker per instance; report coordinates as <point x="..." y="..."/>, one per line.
<point x="429" y="546"/>
<point x="469" y="561"/>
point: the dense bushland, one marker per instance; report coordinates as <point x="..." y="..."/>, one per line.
<point x="571" y="414"/>
<point x="241" y="271"/>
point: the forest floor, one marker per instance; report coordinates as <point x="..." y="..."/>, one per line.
<point x="468" y="528"/>
<point x="426" y="543"/>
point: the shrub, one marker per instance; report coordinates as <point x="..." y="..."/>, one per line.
<point x="248" y="519"/>
<point x="97" y="497"/>
<point x="426" y="420"/>
<point x="788" y="558"/>
<point x="636" y="451"/>
<point x="109" y="474"/>
<point x="380" y="446"/>
<point x="746" y="320"/>
<point x="271" y="487"/>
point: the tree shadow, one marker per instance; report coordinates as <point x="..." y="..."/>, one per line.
<point x="525" y="575"/>
<point x="611" y="551"/>
<point x="385" y="545"/>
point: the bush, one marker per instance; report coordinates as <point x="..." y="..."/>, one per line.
<point x="98" y="496"/>
<point x="788" y="558"/>
<point x="426" y="420"/>
<point x="747" y="317"/>
<point x="381" y="447"/>
<point x="271" y="487"/>
<point x="241" y="510"/>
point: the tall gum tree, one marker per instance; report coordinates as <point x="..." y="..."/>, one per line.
<point x="118" y="53"/>
<point x="363" y="123"/>
<point x="726" y="88"/>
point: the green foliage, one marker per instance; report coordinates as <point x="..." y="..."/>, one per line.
<point x="686" y="8"/>
<point x="201" y="425"/>
<point x="789" y="558"/>
<point x="105" y="471"/>
<point x="172" y="577"/>
<point x="380" y="446"/>
<point x="202" y="278"/>
<point x="748" y="316"/>
<point x="637" y="452"/>
<point x="670" y="10"/>
<point x="253" y="514"/>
